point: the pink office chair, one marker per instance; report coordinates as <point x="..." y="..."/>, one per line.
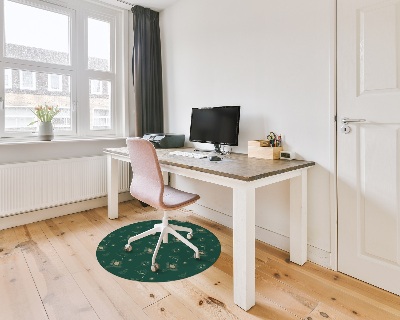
<point x="148" y="186"/>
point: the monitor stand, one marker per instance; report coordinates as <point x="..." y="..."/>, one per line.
<point x="202" y="150"/>
<point x="217" y="148"/>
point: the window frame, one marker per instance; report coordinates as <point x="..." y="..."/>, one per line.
<point x="39" y="67"/>
<point x="78" y="11"/>
<point x="100" y="75"/>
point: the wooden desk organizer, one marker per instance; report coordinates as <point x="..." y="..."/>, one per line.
<point x="258" y="149"/>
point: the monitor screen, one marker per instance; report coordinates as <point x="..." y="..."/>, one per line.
<point x="219" y="125"/>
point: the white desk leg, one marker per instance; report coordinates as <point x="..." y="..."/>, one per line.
<point x="298" y="218"/>
<point x="112" y="187"/>
<point x="244" y="247"/>
<point x="165" y="175"/>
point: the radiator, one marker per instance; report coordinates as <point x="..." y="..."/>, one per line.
<point x="38" y="185"/>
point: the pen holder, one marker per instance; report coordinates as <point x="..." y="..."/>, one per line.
<point x="255" y="149"/>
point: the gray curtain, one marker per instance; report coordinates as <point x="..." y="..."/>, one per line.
<point x="147" y="71"/>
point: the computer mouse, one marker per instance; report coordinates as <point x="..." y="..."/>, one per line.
<point x="214" y="158"/>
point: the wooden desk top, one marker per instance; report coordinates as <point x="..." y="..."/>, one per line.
<point x="235" y="165"/>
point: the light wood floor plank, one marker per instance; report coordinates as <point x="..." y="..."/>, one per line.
<point x="50" y="268"/>
<point x="19" y="298"/>
<point x="290" y="298"/>
<point x="75" y="257"/>
<point x="100" y="287"/>
<point x="8" y="242"/>
<point x="171" y="308"/>
<point x="347" y="304"/>
<point x="68" y="246"/>
<point x="356" y="288"/>
<point x="219" y="287"/>
<point x="105" y="295"/>
<point x="60" y="294"/>
<point x="194" y="298"/>
<point x="323" y="312"/>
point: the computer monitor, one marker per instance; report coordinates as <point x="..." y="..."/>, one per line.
<point x="218" y="125"/>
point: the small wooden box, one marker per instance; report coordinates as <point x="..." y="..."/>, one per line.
<point x="256" y="150"/>
<point x="259" y="143"/>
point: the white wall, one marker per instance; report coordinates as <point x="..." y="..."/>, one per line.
<point x="14" y="152"/>
<point x="273" y="58"/>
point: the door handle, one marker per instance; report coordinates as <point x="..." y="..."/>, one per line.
<point x="347" y="120"/>
<point x="345" y="128"/>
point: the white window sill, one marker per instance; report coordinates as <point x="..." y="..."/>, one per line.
<point x="60" y="139"/>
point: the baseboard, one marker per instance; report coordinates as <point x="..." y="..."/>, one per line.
<point x="49" y="213"/>
<point x="315" y="255"/>
<point x="212" y="215"/>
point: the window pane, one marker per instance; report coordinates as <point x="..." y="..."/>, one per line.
<point x="98" y="45"/>
<point x="7" y="79"/>
<point x="96" y="87"/>
<point x="19" y="101"/>
<point x="100" y="105"/>
<point x="54" y="82"/>
<point x="36" y="34"/>
<point x="27" y="80"/>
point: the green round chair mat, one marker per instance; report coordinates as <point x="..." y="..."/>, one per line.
<point x="176" y="260"/>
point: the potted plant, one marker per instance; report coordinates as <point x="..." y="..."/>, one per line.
<point x="45" y="115"/>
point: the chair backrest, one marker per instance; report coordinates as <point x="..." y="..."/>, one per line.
<point x="147" y="182"/>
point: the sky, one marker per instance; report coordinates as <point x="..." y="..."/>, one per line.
<point x="30" y="26"/>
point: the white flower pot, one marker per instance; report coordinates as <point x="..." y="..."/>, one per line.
<point x="45" y="131"/>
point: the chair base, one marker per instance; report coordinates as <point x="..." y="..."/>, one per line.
<point x="165" y="229"/>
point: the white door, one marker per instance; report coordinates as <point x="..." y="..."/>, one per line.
<point x="368" y="84"/>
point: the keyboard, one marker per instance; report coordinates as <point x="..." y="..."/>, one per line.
<point x="188" y="154"/>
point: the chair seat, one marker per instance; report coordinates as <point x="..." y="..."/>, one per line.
<point x="174" y="198"/>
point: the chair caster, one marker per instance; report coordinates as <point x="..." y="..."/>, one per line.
<point x="189" y="236"/>
<point x="128" y="248"/>
<point x="155" y="267"/>
<point x="197" y="256"/>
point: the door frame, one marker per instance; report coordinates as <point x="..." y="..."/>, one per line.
<point x="333" y="136"/>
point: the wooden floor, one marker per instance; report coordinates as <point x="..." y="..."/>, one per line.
<point x="48" y="270"/>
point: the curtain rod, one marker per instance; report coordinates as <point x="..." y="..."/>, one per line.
<point x="143" y="7"/>
<point x="126" y="2"/>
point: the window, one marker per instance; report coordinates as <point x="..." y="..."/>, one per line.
<point x="71" y="64"/>
<point x="98" y="45"/>
<point x="18" y="118"/>
<point x="100" y="118"/>
<point x="101" y="77"/>
<point x="39" y="42"/>
<point x="7" y="79"/>
<point x="54" y="82"/>
<point x="96" y="87"/>
<point x="27" y="80"/>
<point x="100" y="107"/>
<point x="19" y="103"/>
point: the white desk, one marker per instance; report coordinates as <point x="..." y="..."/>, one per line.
<point x="243" y="175"/>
